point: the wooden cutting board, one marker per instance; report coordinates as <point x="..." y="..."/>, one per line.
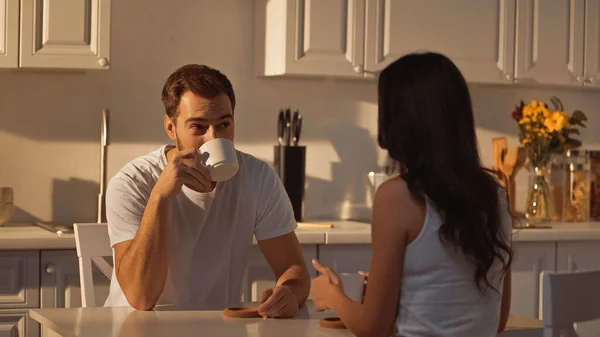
<point x="315" y="225"/>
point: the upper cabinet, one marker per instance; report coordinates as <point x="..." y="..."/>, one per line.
<point x="9" y="33"/>
<point x="592" y="43"/>
<point x="555" y="42"/>
<point x="65" y="34"/>
<point x="310" y="37"/>
<point x="477" y="35"/>
<point x="550" y="42"/>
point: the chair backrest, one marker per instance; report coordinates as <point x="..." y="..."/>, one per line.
<point x="569" y="298"/>
<point x="93" y="245"/>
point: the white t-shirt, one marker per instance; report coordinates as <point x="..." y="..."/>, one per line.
<point x="210" y="234"/>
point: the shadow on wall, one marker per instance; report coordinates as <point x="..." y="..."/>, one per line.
<point x="74" y="200"/>
<point x="348" y="189"/>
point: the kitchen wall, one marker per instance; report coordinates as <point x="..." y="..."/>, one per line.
<point x="50" y="120"/>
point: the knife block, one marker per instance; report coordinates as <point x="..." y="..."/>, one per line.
<point x="290" y="165"/>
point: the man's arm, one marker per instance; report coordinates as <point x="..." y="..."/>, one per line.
<point x="284" y="255"/>
<point x="141" y="264"/>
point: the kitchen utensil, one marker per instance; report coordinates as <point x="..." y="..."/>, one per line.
<point x="220" y="157"/>
<point x="241" y="312"/>
<point x="6" y="204"/>
<point x="315" y="225"/>
<point x="56" y="229"/>
<point x="296" y="127"/>
<point x="280" y="127"/>
<point x="498" y="147"/>
<point x="103" y="147"/>
<point x="288" y="126"/>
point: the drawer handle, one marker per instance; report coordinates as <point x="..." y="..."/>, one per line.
<point x="50" y="269"/>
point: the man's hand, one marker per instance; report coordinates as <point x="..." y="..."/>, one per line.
<point x="184" y="167"/>
<point x="279" y="302"/>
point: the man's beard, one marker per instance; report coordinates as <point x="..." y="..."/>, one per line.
<point x="178" y="142"/>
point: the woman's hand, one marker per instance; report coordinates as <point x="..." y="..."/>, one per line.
<point x="324" y="286"/>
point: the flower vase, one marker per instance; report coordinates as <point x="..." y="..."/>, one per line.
<point x="539" y="208"/>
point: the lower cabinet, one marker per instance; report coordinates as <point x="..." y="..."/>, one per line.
<point x="59" y="282"/>
<point x="579" y="256"/>
<point x="17" y="323"/>
<point x="346" y="258"/>
<point x="530" y="260"/>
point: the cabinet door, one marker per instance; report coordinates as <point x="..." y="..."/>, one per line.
<point x="9" y="33"/>
<point x="550" y="38"/>
<point x="309" y="37"/>
<point x="477" y="35"/>
<point x="19" y="279"/>
<point x="260" y="277"/>
<point x="531" y="259"/>
<point x="72" y="34"/>
<point x="60" y="281"/>
<point x="592" y="43"/>
<point x="17" y="323"/>
<point x="579" y="256"/>
<point x="346" y="258"/>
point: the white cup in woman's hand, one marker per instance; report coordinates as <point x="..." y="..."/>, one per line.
<point x="353" y="285"/>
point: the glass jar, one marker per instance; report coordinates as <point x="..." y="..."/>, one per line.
<point x="595" y="186"/>
<point x="576" y="201"/>
<point x="558" y="177"/>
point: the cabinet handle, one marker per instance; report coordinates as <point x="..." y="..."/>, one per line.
<point x="103" y="62"/>
<point x="508" y="77"/>
<point x="50" y="269"/>
<point x="359" y="69"/>
<point x="579" y="79"/>
<point x="589" y="80"/>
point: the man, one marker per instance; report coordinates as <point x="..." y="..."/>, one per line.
<point x="182" y="239"/>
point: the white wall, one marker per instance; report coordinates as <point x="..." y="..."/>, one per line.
<point x="50" y="121"/>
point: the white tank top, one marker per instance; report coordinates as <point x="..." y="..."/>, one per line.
<point x="439" y="295"/>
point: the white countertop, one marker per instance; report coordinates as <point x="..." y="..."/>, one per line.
<point x="20" y="237"/>
<point x="124" y="321"/>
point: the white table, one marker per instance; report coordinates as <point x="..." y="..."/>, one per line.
<point x="127" y="322"/>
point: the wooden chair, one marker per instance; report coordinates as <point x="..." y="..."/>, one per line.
<point x="569" y="298"/>
<point x="93" y="245"/>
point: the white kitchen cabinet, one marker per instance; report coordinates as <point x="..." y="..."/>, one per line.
<point x="477" y="35"/>
<point x="60" y="280"/>
<point x="9" y="33"/>
<point x="346" y="258"/>
<point x="578" y="256"/>
<point x="550" y="42"/>
<point x="259" y="275"/>
<point x="592" y="43"/>
<point x="309" y="37"/>
<point x="531" y="259"/>
<point x="17" y="323"/>
<point x="73" y="34"/>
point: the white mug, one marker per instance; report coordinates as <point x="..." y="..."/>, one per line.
<point x="220" y="158"/>
<point x="353" y="285"/>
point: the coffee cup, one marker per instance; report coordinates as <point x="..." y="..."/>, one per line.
<point x="220" y="157"/>
<point x="353" y="285"/>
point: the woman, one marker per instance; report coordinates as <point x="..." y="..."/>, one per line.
<point x="441" y="230"/>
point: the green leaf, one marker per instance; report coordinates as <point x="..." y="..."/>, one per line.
<point x="579" y="115"/>
<point x="573" y="131"/>
<point x="572" y="144"/>
<point x="556" y="103"/>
